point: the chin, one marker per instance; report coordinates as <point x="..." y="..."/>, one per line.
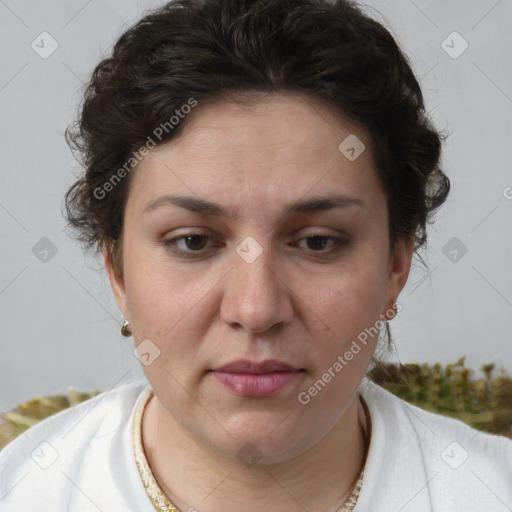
<point x="256" y="441"/>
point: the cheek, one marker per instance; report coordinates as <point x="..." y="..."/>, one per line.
<point x="348" y="302"/>
<point x="152" y="286"/>
<point x="171" y="308"/>
<point x="348" y="307"/>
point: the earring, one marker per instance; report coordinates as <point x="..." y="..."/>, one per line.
<point x="124" y="329"/>
<point x="392" y="312"/>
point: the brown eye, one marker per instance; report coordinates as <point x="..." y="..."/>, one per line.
<point x="317" y="243"/>
<point x="190" y="243"/>
<point x="194" y="242"/>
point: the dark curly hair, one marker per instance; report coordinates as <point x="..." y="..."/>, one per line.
<point x="205" y="50"/>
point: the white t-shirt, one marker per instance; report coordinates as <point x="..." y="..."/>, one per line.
<point x="81" y="460"/>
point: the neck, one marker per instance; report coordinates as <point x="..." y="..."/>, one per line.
<point x="195" y="476"/>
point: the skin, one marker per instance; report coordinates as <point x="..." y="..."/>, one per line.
<point x="294" y="302"/>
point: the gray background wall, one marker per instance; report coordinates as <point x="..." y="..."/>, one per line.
<point x="58" y="319"/>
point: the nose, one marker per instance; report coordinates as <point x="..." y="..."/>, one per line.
<point x="257" y="296"/>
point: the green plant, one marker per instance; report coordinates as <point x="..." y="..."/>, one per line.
<point x="484" y="404"/>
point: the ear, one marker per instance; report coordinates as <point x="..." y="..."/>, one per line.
<point x="116" y="281"/>
<point x="399" y="267"/>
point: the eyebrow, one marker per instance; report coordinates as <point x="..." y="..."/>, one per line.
<point x="209" y="208"/>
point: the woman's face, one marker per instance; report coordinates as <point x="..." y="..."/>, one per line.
<point x="273" y="271"/>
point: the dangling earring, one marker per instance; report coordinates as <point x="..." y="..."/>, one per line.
<point x="124" y="329"/>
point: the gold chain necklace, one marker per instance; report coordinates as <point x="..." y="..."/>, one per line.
<point x="160" y="501"/>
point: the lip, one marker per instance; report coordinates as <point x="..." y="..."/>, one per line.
<point x="253" y="379"/>
<point x="247" y="366"/>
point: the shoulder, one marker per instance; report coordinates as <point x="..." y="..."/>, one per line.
<point x="62" y="445"/>
<point x="432" y="427"/>
<point x="112" y="407"/>
<point x="461" y="465"/>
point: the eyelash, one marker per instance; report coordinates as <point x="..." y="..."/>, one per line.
<point x="170" y="244"/>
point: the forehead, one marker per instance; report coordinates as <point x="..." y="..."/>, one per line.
<point x="281" y="146"/>
<point x="271" y="123"/>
